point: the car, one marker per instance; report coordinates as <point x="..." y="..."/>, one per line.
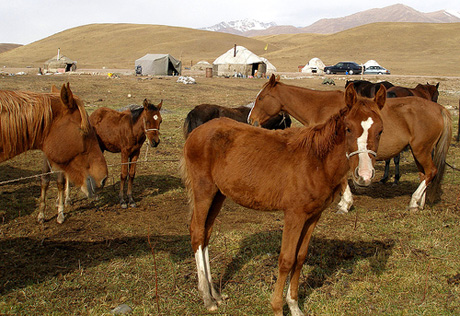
<point x="376" y="70"/>
<point x="347" y="67"/>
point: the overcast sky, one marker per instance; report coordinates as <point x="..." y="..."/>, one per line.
<point x="27" y="21"/>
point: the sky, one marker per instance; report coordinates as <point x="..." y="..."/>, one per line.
<point x="27" y="21"/>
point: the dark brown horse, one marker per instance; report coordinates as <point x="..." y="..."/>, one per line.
<point x="424" y="125"/>
<point x="312" y="164"/>
<point x="367" y="88"/>
<point x="57" y="124"/>
<point x="205" y="112"/>
<point x="426" y="91"/>
<point x="125" y="131"/>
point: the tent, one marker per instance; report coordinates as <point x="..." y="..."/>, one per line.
<point x="241" y="62"/>
<point x="201" y="65"/>
<point x="371" y="63"/>
<point x="60" y="63"/>
<point x="315" y="65"/>
<point x="158" y="64"/>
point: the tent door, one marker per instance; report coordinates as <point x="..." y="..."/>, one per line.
<point x="68" y="67"/>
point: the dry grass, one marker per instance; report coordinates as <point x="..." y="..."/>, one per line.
<point x="380" y="259"/>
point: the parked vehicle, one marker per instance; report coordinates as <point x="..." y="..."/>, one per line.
<point x="347" y="67"/>
<point x="376" y="70"/>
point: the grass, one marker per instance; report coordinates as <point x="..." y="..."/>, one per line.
<point x="380" y="259"/>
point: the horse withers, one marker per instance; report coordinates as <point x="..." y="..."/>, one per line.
<point x="224" y="158"/>
<point x="125" y="131"/>
<point x="57" y="124"/>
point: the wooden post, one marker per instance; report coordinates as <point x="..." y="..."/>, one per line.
<point x="458" y="126"/>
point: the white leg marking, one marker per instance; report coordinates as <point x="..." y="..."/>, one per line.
<point x="346" y="201"/>
<point x="203" y="284"/>
<point x="418" y="198"/>
<point x="293" y="304"/>
<point x="365" y="163"/>
<point x="214" y="292"/>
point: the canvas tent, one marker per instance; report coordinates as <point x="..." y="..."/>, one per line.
<point x="371" y="63"/>
<point x="239" y="61"/>
<point x="315" y="65"/>
<point x="158" y="64"/>
<point x="60" y="63"/>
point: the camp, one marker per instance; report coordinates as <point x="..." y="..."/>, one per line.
<point x="158" y="64"/>
<point x="241" y="62"/>
<point x="60" y="63"/>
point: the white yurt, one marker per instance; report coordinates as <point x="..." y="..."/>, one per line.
<point x="314" y="66"/>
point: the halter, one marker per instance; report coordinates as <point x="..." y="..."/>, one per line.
<point x="362" y="151"/>
<point x="149" y="129"/>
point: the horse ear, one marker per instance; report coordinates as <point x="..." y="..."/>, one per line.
<point x="278" y="78"/>
<point x="54" y="89"/>
<point x="437" y="85"/>
<point x="145" y="103"/>
<point x="159" y="105"/>
<point x="272" y="80"/>
<point x="381" y="97"/>
<point x="67" y="96"/>
<point x="350" y="95"/>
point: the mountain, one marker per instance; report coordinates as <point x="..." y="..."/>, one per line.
<point x="239" y="27"/>
<point x="6" y="47"/>
<point x="393" y="13"/>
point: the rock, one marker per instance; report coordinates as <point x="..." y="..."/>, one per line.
<point x="123" y="309"/>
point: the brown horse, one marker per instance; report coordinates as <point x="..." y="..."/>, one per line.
<point x="205" y="112"/>
<point x="125" y="131"/>
<point x="311" y="162"/>
<point x="367" y="88"/>
<point x="426" y="91"/>
<point x="424" y="125"/>
<point x="57" y="124"/>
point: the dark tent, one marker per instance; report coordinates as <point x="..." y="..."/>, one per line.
<point x="158" y="64"/>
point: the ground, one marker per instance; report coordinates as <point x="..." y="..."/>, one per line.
<point x="378" y="259"/>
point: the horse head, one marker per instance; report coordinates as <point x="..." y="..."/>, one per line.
<point x="363" y="126"/>
<point x="71" y="144"/>
<point x="152" y="120"/>
<point x="267" y="104"/>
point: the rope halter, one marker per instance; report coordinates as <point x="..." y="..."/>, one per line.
<point x="361" y="151"/>
<point x="149" y="129"/>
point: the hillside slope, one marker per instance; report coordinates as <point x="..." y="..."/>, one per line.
<point x="404" y="48"/>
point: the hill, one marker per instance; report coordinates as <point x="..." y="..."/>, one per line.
<point x="404" y="48"/>
<point x="7" y="46"/>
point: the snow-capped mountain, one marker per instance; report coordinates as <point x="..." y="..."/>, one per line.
<point x="454" y="13"/>
<point x="239" y="26"/>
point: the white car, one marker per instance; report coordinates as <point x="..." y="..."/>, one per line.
<point x="376" y="70"/>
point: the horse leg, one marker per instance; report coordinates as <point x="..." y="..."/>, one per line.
<point x="293" y="288"/>
<point x="386" y="173"/>
<point x="45" y="181"/>
<point x="396" y="160"/>
<point x="427" y="171"/>
<point x="294" y="223"/>
<point x="61" y="178"/>
<point x="206" y="207"/>
<point x="123" y="175"/>
<point x="132" y="173"/>
<point x="68" y="201"/>
<point x="346" y="198"/>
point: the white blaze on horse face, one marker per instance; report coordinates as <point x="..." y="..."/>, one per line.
<point x="155" y="117"/>
<point x="365" y="168"/>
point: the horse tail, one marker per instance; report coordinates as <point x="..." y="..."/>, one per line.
<point x="191" y="122"/>
<point x="187" y="183"/>
<point x="439" y="157"/>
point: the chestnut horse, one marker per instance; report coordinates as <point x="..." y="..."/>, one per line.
<point x="426" y="91"/>
<point x="224" y="158"/>
<point x="206" y="112"/>
<point x="57" y="124"/>
<point x="424" y="125"/>
<point x="125" y="131"/>
<point x="367" y="88"/>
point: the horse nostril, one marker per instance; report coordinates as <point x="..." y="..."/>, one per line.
<point x="373" y="173"/>
<point x="103" y="182"/>
<point x="357" y="173"/>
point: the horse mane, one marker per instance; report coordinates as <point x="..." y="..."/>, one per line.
<point x="321" y="138"/>
<point x="25" y="117"/>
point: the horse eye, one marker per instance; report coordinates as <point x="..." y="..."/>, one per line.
<point x="348" y="130"/>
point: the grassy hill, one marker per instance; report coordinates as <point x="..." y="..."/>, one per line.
<point x="405" y="48"/>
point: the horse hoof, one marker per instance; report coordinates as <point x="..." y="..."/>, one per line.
<point x="60" y="219"/>
<point x="124" y="205"/>
<point x="133" y="204"/>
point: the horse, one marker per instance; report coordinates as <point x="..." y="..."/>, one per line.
<point x="58" y="125"/>
<point x="125" y="131"/>
<point x="224" y="158"/>
<point x="429" y="92"/>
<point x="367" y="88"/>
<point x="426" y="91"/>
<point x="206" y="112"/>
<point x="424" y="125"/>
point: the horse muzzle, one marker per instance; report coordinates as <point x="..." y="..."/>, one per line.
<point x="363" y="178"/>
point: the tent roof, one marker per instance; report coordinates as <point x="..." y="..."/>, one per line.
<point x="371" y="63"/>
<point x="243" y="57"/>
<point x="153" y="56"/>
<point x="314" y="63"/>
<point x="62" y="59"/>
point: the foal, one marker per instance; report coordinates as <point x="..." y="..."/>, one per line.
<point x="226" y="158"/>
<point x="125" y="131"/>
